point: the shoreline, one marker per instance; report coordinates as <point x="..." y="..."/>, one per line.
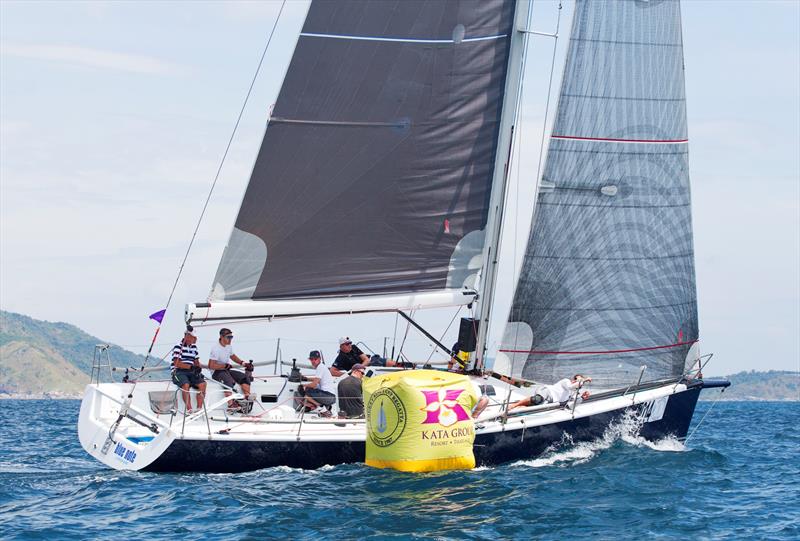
<point x="40" y="396"/>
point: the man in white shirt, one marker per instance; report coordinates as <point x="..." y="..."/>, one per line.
<point x="219" y="360"/>
<point x="319" y="392"/>
<point x="559" y="392"/>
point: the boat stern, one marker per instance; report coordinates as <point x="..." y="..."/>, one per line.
<point x="117" y="433"/>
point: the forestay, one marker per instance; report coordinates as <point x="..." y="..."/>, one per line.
<point x="607" y="283"/>
<point x="375" y="171"/>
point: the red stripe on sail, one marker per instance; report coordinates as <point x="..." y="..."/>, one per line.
<point x="614" y="140"/>
<point x="534" y="352"/>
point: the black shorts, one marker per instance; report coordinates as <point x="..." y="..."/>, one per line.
<point x="230" y="378"/>
<point x="377" y="360"/>
<point x="182" y="377"/>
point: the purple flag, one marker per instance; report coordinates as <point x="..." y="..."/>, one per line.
<point x="158" y="316"/>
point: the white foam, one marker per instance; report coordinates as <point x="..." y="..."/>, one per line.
<point x="626" y="429"/>
<point x="669" y="444"/>
<point x="575" y="455"/>
<point x="287" y="469"/>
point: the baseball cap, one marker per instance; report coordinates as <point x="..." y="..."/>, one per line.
<point x="345" y="340"/>
<point x="190" y="330"/>
<point x="314" y="354"/>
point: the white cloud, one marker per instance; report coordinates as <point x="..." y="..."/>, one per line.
<point x="90" y="57"/>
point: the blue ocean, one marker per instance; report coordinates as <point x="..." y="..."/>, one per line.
<point x="738" y="477"/>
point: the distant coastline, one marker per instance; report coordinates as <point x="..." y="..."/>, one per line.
<point x="42" y="360"/>
<point x="769" y="386"/>
<point x="40" y="396"/>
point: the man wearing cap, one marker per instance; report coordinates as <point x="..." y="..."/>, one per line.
<point x="349" y="355"/>
<point x="351" y="400"/>
<point x="186" y="370"/>
<point x="319" y="391"/>
<point x="220" y="360"/>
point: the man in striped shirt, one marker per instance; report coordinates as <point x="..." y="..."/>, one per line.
<point x="186" y="370"/>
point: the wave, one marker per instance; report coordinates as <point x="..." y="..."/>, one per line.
<point x="626" y="430"/>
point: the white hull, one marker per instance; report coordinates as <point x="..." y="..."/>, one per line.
<point x="273" y="424"/>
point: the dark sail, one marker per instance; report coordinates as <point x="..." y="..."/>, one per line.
<point x="375" y="171"/>
<point x="608" y="282"/>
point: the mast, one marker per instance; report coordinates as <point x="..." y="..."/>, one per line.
<point x="514" y="75"/>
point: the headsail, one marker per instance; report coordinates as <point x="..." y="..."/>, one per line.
<point x="608" y="283"/>
<point x="375" y="171"/>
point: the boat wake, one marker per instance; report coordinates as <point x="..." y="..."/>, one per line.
<point x="626" y="430"/>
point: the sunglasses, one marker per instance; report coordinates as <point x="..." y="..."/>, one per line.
<point x="229" y="336"/>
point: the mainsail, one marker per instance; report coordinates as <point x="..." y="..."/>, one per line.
<point x="376" y="168"/>
<point x="607" y="283"/>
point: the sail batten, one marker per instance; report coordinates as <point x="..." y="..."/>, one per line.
<point x="402" y="39"/>
<point x="607" y="282"/>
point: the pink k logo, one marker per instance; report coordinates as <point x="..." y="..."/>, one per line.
<point x="442" y="407"/>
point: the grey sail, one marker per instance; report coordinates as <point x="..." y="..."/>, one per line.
<point x="608" y="283"/>
<point x="375" y="171"/>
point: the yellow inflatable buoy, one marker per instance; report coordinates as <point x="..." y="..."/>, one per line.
<point x="419" y="420"/>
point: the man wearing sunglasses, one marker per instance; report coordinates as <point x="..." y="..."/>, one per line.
<point x="349" y="355"/>
<point x="220" y="360"/>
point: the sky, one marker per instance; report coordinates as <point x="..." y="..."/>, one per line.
<point x="114" y="116"/>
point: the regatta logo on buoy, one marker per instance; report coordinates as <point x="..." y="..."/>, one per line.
<point x="442" y="407"/>
<point x="386" y="416"/>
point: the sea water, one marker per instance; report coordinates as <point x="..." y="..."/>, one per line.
<point x="738" y="477"/>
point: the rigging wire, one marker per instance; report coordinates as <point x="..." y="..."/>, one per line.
<point x="408" y="327"/>
<point x="513" y="359"/>
<point x="518" y="135"/>
<point x="435" y="347"/>
<point x="394" y="336"/>
<point x="703" y="418"/>
<point x="221" y="163"/>
<point x="549" y="92"/>
<point x="514" y="152"/>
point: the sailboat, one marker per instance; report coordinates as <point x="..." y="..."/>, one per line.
<point x="381" y="186"/>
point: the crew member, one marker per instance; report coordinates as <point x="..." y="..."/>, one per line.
<point x="319" y="392"/>
<point x="220" y="360"/>
<point x="560" y="392"/>
<point x="351" y="400"/>
<point x="349" y="355"/>
<point x="186" y="370"/>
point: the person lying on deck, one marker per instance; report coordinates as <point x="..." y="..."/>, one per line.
<point x="349" y="355"/>
<point x="560" y="392"/>
<point x="219" y="360"/>
<point x="186" y="371"/>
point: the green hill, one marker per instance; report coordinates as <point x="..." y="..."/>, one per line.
<point x="772" y="385"/>
<point x="38" y="357"/>
<point x="41" y="357"/>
